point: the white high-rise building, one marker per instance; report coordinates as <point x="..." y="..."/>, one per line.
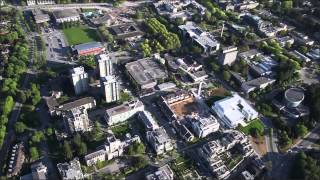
<point x="104" y="65"/>
<point x="110" y="88"/>
<point x="80" y="80"/>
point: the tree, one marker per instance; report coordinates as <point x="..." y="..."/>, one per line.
<point x="67" y="150"/>
<point x="226" y="75"/>
<point x="82" y="150"/>
<point x="301" y="130"/>
<point x="21" y="97"/>
<point x="37" y="136"/>
<point x="20" y="127"/>
<point x="34" y="154"/>
<point x="77" y="140"/>
<point x="49" y="131"/>
<point x="8" y="105"/>
<point x="136" y="148"/>
<point x="139" y="162"/>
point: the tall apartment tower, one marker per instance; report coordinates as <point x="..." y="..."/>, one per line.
<point x="104" y="65"/>
<point x="228" y="55"/>
<point x="110" y="88"/>
<point x="80" y="80"/>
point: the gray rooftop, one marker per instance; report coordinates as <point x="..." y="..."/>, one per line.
<point x="294" y="94"/>
<point x="145" y="71"/>
<point x="65" y="13"/>
<point x="126" y="30"/>
<point x="89" y="45"/>
<point x="127" y="106"/>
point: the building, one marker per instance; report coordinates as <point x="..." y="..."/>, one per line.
<point x="80" y="80"/>
<point x="39" y="2"/>
<point x="39" y="171"/>
<point x="39" y="16"/>
<point x="110" y="88"/>
<point x="258" y="83"/>
<point x="299" y="55"/>
<point x="126" y="31"/>
<point x="159" y="140"/>
<point x="301" y="38"/>
<point x="123" y="112"/>
<point x="104" y="65"/>
<point x="252" y="53"/>
<point x="76" y="120"/>
<point x="234" y="110"/>
<point x="228" y="55"/>
<point x="203" y="126"/>
<point x="66" y="15"/>
<point x="293" y="97"/>
<point x="148" y="121"/>
<point x="264" y="67"/>
<point x="246" y="175"/>
<point x="204" y="39"/>
<point x="163" y="173"/>
<point x="90" y="48"/>
<point x="71" y="170"/>
<point x="105" y="19"/>
<point x="145" y="72"/>
<point x="183" y="131"/>
<point x="56" y="109"/>
<point x="92" y="158"/>
<point x="284" y="41"/>
<point x="314" y="54"/>
<point x="16" y="160"/>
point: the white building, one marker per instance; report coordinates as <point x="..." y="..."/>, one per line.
<point x="148" y="121"/>
<point x="203" y="126"/>
<point x="104" y="65"/>
<point x="76" y="120"/>
<point x="39" y="171"/>
<point x="204" y="39"/>
<point x="70" y="170"/>
<point x="93" y="158"/>
<point x="234" y="110"/>
<point x="110" y="88"/>
<point x="159" y="140"/>
<point x="66" y="15"/>
<point x="228" y="55"/>
<point x="163" y="173"/>
<point x="123" y="112"/>
<point x="80" y="80"/>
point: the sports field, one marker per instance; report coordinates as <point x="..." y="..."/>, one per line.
<point x="78" y="35"/>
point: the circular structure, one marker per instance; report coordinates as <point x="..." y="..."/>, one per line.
<point x="293" y="97"/>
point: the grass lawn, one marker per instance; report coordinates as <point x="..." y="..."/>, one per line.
<point x="253" y="124"/>
<point x="78" y="35"/>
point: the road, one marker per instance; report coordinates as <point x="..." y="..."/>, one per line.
<point x="10" y="136"/>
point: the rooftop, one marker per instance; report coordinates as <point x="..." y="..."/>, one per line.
<point x="65" y="13"/>
<point x="77" y="70"/>
<point x="127" y="106"/>
<point x="205" y="39"/>
<point x="294" y="94"/>
<point x="145" y="71"/>
<point x="126" y="30"/>
<point x="89" y="45"/>
<point x="163" y="173"/>
<point x="160" y="135"/>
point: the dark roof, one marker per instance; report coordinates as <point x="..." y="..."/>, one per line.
<point x="65" y="13"/>
<point x="54" y="105"/>
<point x="127" y="30"/>
<point x="89" y="45"/>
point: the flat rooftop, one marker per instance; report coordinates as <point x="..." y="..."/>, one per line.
<point x="89" y="45"/>
<point x="145" y="71"/>
<point x="58" y="14"/>
<point x="126" y="30"/>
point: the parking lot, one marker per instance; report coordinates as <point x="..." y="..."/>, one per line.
<point x="56" y="46"/>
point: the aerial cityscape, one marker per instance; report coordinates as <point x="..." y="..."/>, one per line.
<point x="160" y="89"/>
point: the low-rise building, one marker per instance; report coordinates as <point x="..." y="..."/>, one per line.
<point x="234" y="110"/>
<point x="203" y="126"/>
<point x="56" y="109"/>
<point x="258" y="83"/>
<point x="202" y="38"/>
<point x="90" y="48"/>
<point x="264" y="67"/>
<point x="247" y="55"/>
<point x="123" y="112"/>
<point x="299" y="55"/>
<point x="16" y="160"/>
<point x="314" y="54"/>
<point x="126" y="31"/>
<point x="301" y="38"/>
<point x="39" y="171"/>
<point x="71" y="170"/>
<point x="163" y="173"/>
<point x="76" y="120"/>
<point x="148" y="121"/>
<point x="183" y="131"/>
<point x="286" y="40"/>
<point x="105" y="19"/>
<point x="145" y="72"/>
<point x="159" y="140"/>
<point x="92" y="158"/>
<point x="66" y="15"/>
